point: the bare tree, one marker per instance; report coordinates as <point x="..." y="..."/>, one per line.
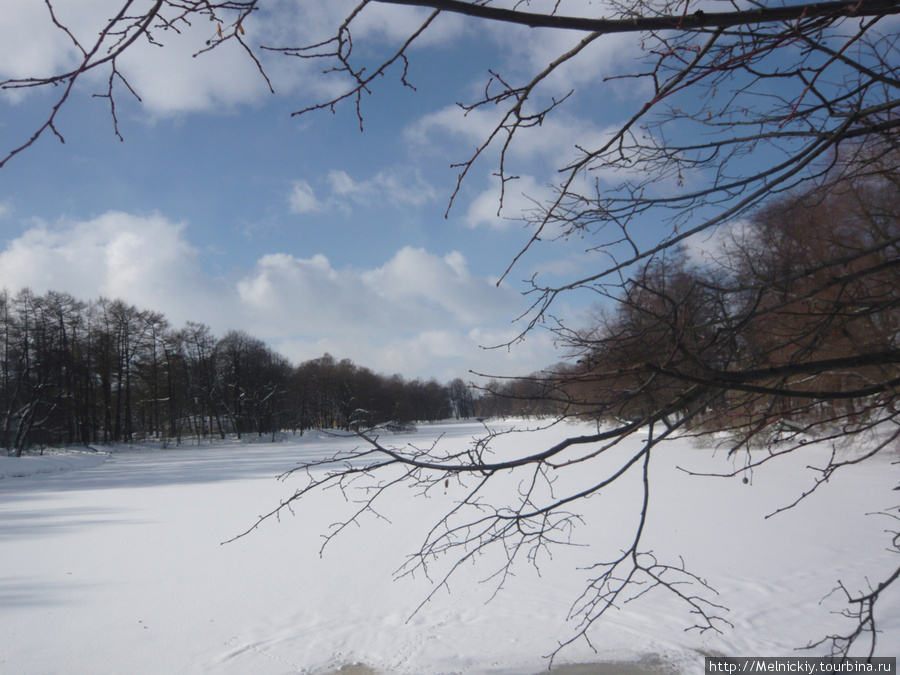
<point x="795" y="103"/>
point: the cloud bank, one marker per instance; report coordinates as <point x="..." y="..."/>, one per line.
<point x="418" y="313"/>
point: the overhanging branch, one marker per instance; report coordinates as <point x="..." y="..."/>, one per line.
<point x="698" y="19"/>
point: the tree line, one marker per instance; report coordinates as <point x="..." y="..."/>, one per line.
<point x="792" y="321"/>
<point x="790" y="325"/>
<point x="104" y="371"/>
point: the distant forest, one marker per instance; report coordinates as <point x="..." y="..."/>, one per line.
<point x="78" y="373"/>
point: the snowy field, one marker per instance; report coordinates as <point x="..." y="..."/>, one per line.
<point x="114" y="563"/>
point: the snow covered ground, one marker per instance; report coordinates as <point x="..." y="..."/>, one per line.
<point x="114" y="563"/>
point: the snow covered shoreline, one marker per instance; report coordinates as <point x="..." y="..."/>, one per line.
<point x="119" y="566"/>
<point x="30" y="465"/>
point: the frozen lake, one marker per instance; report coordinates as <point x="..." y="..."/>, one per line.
<point x="116" y="564"/>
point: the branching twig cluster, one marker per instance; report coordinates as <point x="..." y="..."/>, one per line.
<point x="131" y="24"/>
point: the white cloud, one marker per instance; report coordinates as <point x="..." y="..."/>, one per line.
<point x="168" y="80"/>
<point x="711" y="246"/>
<point x="418" y="313"/>
<point x="528" y="52"/>
<point x="395" y="186"/>
<point x="172" y="78"/>
<point x="574" y="265"/>
<point x="473" y="127"/>
<point x="142" y="259"/>
<point x="395" y="24"/>
<point x="554" y="143"/>
<point x="288" y="296"/>
<point x="303" y="199"/>
<point x="439" y="287"/>
<point x="341" y="183"/>
<point x="546" y="150"/>
<point x="30" y="46"/>
<point x="520" y="198"/>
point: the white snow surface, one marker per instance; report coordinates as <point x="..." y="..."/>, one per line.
<point x="51" y="462"/>
<point x="113" y="562"/>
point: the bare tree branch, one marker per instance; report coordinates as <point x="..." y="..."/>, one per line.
<point x="698" y="19"/>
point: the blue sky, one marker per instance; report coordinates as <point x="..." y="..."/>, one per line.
<point x="222" y="208"/>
